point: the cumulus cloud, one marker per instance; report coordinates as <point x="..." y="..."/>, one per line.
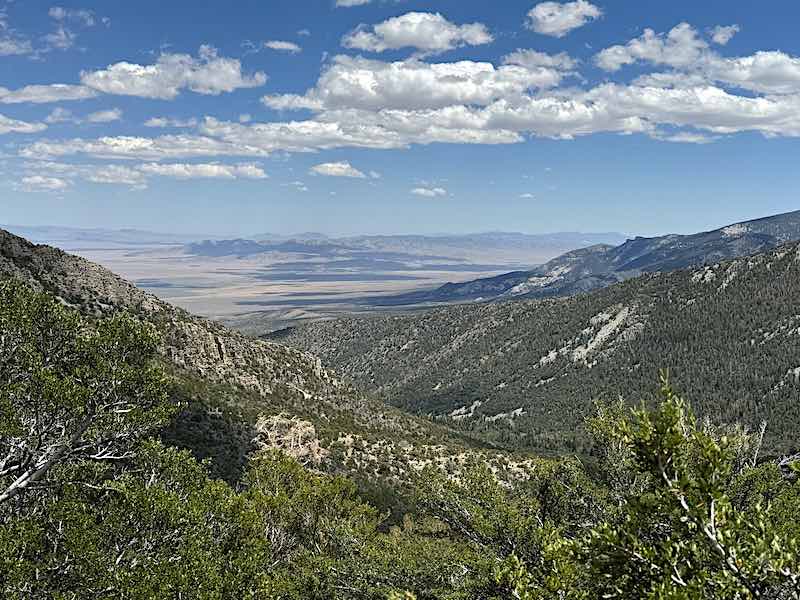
<point x="426" y="32"/>
<point x="40" y="183"/>
<point x="363" y="103"/>
<point x="60" y="115"/>
<point x="208" y="74"/>
<point x="13" y="46"/>
<point x="557" y="20"/>
<point x="283" y="46"/>
<point x="82" y="16"/>
<point x="162" y="122"/>
<point x="770" y="72"/>
<point x="137" y="176"/>
<point x="722" y="34"/>
<point x="9" y="125"/>
<point x="11" y="43"/>
<point x="207" y="170"/>
<point x="337" y="169"/>
<point x="429" y="192"/>
<point x="62" y="37"/>
<point x="681" y="47"/>
<point x="532" y="59"/>
<point x="118" y="175"/>
<point x="686" y="137"/>
<point x="105" y="116"/>
<point x="406" y="85"/>
<point x="43" y="94"/>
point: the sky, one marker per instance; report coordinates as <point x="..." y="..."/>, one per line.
<point x="398" y="116"/>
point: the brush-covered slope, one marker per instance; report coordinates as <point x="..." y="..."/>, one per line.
<point x="237" y="389"/>
<point x="526" y="373"/>
<point x="601" y="265"/>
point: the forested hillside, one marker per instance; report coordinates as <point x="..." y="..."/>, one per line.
<point x="526" y="373"/>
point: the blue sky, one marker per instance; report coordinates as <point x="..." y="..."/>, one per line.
<point x="389" y="116"/>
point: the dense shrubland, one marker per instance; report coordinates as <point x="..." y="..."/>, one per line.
<point x="92" y="505"/>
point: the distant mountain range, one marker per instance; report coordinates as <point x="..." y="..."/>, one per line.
<point x="484" y="246"/>
<point x="601" y="265"/>
<point x="72" y="237"/>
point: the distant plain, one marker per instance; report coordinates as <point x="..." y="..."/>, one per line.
<point x="259" y="288"/>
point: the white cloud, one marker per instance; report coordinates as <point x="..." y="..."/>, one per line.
<point x="429" y="192"/>
<point x="63" y="38"/>
<point x="427" y="32"/>
<point x="722" y="34"/>
<point x="297" y="185"/>
<point x="39" y="183"/>
<point x="14" y="46"/>
<point x="60" y="39"/>
<point x="532" y="59"/>
<point x="349" y="3"/>
<point x="527" y="196"/>
<point x="557" y="20"/>
<point x="768" y="72"/>
<point x="83" y="16"/>
<point x="337" y="169"/>
<point x="137" y="176"/>
<point x="119" y="175"/>
<point x="407" y="85"/>
<point x="208" y="170"/>
<point x="9" y="125"/>
<point x="681" y="47"/>
<point x="208" y="74"/>
<point x="686" y="137"/>
<point x="362" y="103"/>
<point x="282" y="46"/>
<point x="141" y="148"/>
<point x="60" y="115"/>
<point x="43" y="94"/>
<point x="105" y="116"/>
<point x="11" y="43"/>
<point x="162" y="122"/>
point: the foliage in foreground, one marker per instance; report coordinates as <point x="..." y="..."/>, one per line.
<point x="91" y="507"/>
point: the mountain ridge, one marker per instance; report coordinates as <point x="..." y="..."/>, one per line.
<point x="601" y="265"/>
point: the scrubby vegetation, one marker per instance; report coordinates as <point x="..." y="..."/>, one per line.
<point x="93" y="506"/>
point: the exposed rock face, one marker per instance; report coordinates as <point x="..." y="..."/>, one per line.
<point x="77" y="282"/>
<point x="785" y="465"/>
<point x="293" y="436"/>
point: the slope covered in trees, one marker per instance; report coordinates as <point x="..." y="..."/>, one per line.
<point x="526" y="373"/>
